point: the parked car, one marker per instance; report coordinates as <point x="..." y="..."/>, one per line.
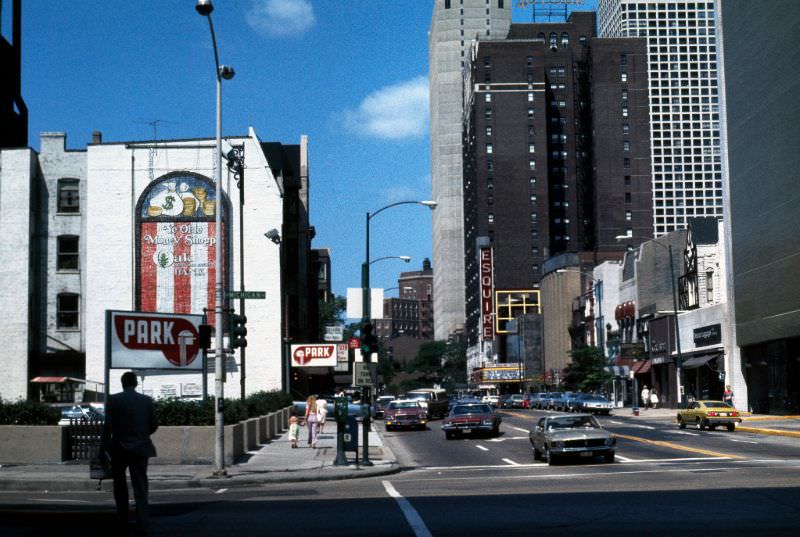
<point x="518" y="400"/>
<point x="592" y="403"/>
<point x="405" y="413"/>
<point x="493" y="400"/>
<point x="555" y="400"/>
<point x="505" y="401"/>
<point x="709" y="414"/>
<point x="81" y="413"/>
<point x="471" y="419"/>
<point x="381" y="403"/>
<point x="576" y="435"/>
<point x="434" y="400"/>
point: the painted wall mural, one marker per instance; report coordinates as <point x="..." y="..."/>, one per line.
<point x="176" y="245"/>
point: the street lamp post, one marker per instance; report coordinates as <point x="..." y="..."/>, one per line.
<point x="366" y="313"/>
<point x="204" y="8"/>
<point x="679" y="357"/>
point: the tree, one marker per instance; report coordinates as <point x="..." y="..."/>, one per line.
<point x="331" y="312"/>
<point x="584" y="372"/>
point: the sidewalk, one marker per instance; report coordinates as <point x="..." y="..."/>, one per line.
<point x="275" y="462"/>
<point x="751" y="423"/>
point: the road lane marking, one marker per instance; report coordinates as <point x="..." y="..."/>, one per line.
<point x="220" y="491"/>
<point x="623" y="459"/>
<point x="509" y="461"/>
<point x="644" y="427"/>
<point x="616" y="422"/>
<point x="59" y="500"/>
<point x="412" y="517"/>
<point x="520" y="429"/>
<point x="679" y="459"/>
<point x="504" y="438"/>
<point x="477" y="467"/>
<point x="678" y="447"/>
<point x="742" y="441"/>
<point x="685" y="433"/>
<point x="481" y="447"/>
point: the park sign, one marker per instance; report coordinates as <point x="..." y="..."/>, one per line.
<point x="139" y="340"/>
<point x="314" y="354"/>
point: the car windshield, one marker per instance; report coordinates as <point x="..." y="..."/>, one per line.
<point x="384" y="399"/>
<point x="403" y="404"/>
<point x="576" y="422"/>
<point x="595" y="398"/>
<point x="472" y="409"/>
<point x="424" y="396"/>
<point x="715" y="404"/>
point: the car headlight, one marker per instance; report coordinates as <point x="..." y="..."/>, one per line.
<point x="487" y="422"/>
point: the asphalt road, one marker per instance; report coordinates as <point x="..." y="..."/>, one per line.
<point x="665" y="481"/>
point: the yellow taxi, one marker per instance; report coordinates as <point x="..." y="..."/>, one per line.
<point x="709" y="414"/>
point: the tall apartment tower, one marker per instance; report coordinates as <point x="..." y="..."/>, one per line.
<point x="684" y="102"/>
<point x="555" y="151"/>
<point x="455" y="23"/>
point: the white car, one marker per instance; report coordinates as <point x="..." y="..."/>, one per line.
<point x="493" y="400"/>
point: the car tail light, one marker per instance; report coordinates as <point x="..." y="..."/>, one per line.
<point x="712" y="413"/>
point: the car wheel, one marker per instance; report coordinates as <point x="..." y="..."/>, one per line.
<point x="537" y="455"/>
<point x="551" y="460"/>
<point x="609" y="457"/>
<point x="712" y="427"/>
<point x="681" y="423"/>
<point x="496" y="431"/>
<point x="448" y="435"/>
<point x="731" y="427"/>
<point x="698" y="424"/>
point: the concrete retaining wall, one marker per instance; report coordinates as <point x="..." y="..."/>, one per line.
<point x="30" y="444"/>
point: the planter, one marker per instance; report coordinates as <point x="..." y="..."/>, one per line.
<point x="29" y="444"/>
<point x="251" y="434"/>
<point x="195" y="444"/>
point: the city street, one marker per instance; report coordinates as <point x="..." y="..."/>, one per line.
<point x="665" y="480"/>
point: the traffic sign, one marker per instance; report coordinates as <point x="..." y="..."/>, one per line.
<point x="354" y="343"/>
<point x="365" y="374"/>
<point x="246" y="294"/>
<point x="334" y="332"/>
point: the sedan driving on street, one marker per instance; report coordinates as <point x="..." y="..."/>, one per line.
<point x="591" y="403"/>
<point x="709" y="414"/>
<point x="405" y="413"/>
<point x="577" y="435"/>
<point x="471" y="419"/>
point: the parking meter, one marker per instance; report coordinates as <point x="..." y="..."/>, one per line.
<point x="340" y="409"/>
<point x="340" y="412"/>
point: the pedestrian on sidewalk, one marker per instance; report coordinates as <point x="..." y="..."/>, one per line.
<point x="654" y="398"/>
<point x="645" y="397"/>
<point x="311" y="420"/>
<point x="727" y="395"/>
<point x="130" y="420"/>
<point x="322" y="413"/>
<point x="294" y="429"/>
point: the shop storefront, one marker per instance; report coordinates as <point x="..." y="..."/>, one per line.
<point x="662" y="372"/>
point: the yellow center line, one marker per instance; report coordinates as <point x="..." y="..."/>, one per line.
<point x="678" y="447"/>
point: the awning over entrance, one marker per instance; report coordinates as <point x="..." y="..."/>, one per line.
<point x="697" y="361"/>
<point x="56" y="380"/>
<point x="640" y="368"/>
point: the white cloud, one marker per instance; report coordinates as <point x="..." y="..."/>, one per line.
<point x="393" y="112"/>
<point x="279" y="18"/>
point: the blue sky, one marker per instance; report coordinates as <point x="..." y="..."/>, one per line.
<point x="352" y="75"/>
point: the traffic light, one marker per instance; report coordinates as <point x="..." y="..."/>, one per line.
<point x="204" y="335"/>
<point x="238" y="331"/>
<point x="369" y="343"/>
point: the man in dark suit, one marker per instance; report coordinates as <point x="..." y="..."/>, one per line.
<point x="130" y="420"/>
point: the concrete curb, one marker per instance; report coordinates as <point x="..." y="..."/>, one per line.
<point x="771" y="432"/>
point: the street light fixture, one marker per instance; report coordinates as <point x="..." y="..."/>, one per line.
<point x="403" y="258"/>
<point x="365" y="308"/>
<point x="601" y="333"/>
<point x="679" y="357"/>
<point x="204" y="8"/>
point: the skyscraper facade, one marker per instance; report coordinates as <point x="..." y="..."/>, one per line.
<point x="453" y="25"/>
<point x="684" y="102"/>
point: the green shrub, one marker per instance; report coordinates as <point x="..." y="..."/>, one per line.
<point x="28" y="413"/>
<point x="179" y="412"/>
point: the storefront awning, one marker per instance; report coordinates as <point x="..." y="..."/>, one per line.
<point x="56" y="380"/>
<point x="697" y="361"/>
<point x="640" y="368"/>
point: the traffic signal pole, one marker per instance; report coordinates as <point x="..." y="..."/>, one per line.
<point x="367" y="357"/>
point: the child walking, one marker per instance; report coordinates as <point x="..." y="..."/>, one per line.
<point x="294" y="429"/>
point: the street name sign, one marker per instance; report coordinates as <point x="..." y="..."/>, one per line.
<point x="334" y="332"/>
<point x="246" y="295"/>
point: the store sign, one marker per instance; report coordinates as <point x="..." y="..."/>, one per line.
<point x="502" y="374"/>
<point x="314" y="354"/>
<point x="708" y="335"/>
<point x="334" y="332"/>
<point x="487" y="292"/>
<point x="662" y="337"/>
<point x="139" y="340"/>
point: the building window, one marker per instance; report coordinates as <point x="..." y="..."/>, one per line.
<point x="531" y="148"/>
<point x="488" y="98"/>
<point x="710" y="285"/>
<point x="67" y="255"/>
<point x="626" y="145"/>
<point x="624" y="77"/>
<point x="624" y="111"/>
<point x="553" y="40"/>
<point x="489" y="130"/>
<point x="447" y="4"/>
<point x="529" y="61"/>
<point x="67" y="310"/>
<point x="623" y="59"/>
<point x="626" y="130"/>
<point x="628" y="216"/>
<point x="624" y="95"/>
<point x="564" y="40"/>
<point x="627" y="197"/>
<point x="530" y="97"/>
<point x="489" y="149"/>
<point x="490" y="165"/>
<point x="69" y="197"/>
<point x="530" y="113"/>
<point x="626" y="163"/>
<point x="500" y="4"/>
<point x="627" y="180"/>
<point x="491" y="218"/>
<point x="487" y="61"/>
<point x="532" y="164"/>
<point x="487" y="113"/>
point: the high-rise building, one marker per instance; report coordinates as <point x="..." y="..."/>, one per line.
<point x="684" y="102"/>
<point x="556" y="152"/>
<point x="453" y="25"/>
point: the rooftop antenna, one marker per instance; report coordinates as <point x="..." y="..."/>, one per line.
<point x="153" y="152"/>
